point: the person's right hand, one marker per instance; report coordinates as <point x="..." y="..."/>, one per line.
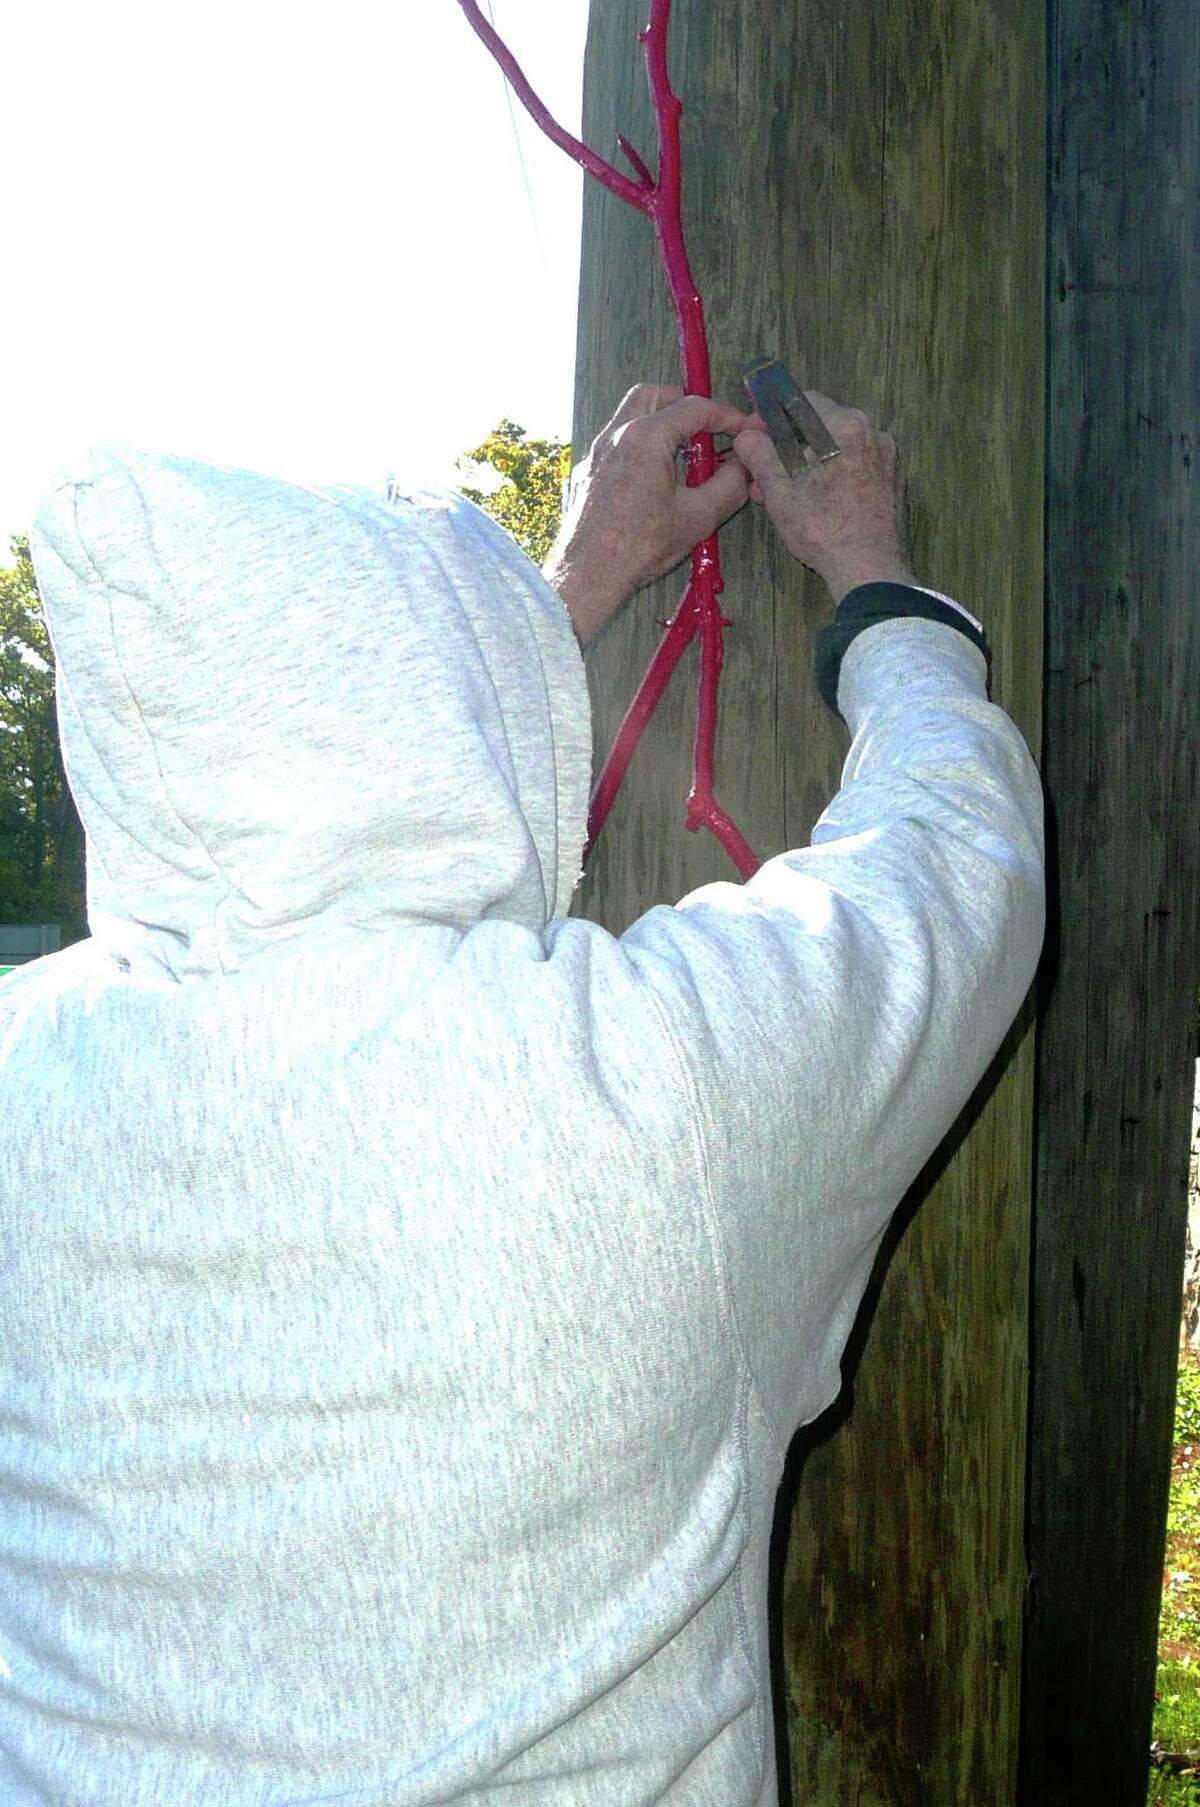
<point x="844" y="519"/>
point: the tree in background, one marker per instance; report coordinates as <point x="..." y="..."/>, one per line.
<point x="528" y="502"/>
<point x="41" y="837"/>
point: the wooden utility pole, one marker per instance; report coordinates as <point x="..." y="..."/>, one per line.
<point x="982" y="226"/>
<point x="864" y="197"/>
<point x="1116" y="1036"/>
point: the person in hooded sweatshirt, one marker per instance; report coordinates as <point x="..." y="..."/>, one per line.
<point x="410" y="1292"/>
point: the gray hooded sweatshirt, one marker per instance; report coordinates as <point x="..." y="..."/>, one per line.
<point x="409" y="1292"/>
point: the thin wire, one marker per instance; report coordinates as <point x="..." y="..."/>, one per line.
<point x="537" y="232"/>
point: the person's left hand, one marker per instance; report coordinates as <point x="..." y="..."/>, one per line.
<point x="630" y="516"/>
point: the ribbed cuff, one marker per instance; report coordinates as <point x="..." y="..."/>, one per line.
<point x="871" y="603"/>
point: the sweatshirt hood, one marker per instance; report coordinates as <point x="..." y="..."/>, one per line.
<point x="290" y="711"/>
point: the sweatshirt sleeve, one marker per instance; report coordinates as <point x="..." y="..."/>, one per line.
<point x="832" y="1016"/>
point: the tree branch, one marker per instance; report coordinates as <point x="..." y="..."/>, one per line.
<point x="698" y="611"/>
<point x="636" y="193"/>
<point x="634" y="160"/>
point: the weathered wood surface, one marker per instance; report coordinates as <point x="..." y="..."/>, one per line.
<point x="1122" y="727"/>
<point x="864" y="196"/>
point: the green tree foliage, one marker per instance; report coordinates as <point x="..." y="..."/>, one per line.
<point x="41" y="836"/>
<point x="528" y="503"/>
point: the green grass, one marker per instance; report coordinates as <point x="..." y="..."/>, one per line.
<point x="1175" y="1774"/>
<point x="1176" y="1731"/>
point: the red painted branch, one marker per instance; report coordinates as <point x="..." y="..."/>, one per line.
<point x="668" y="226"/>
<point x="680" y="631"/>
<point x="703" y="809"/>
<point x="636" y="193"/>
<point x="699" y="610"/>
<point x="707" y="583"/>
<point x="635" y="161"/>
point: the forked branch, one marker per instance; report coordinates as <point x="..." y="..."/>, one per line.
<point x="698" y="612"/>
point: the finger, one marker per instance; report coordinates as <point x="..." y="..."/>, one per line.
<point x="693" y="414"/>
<point x="706" y="507"/>
<point x="642" y="399"/>
<point x="758" y="454"/>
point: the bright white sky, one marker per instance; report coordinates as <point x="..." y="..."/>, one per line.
<point x="291" y="236"/>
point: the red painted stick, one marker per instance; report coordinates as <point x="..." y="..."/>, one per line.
<point x="698" y="611"/>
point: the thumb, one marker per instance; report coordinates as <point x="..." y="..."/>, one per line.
<point x="756" y="451"/>
<point x="642" y="399"/>
<point x="709" y="505"/>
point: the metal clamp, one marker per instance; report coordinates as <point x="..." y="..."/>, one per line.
<point x="797" y="431"/>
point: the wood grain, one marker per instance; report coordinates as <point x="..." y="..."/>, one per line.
<point x="864" y="196"/>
